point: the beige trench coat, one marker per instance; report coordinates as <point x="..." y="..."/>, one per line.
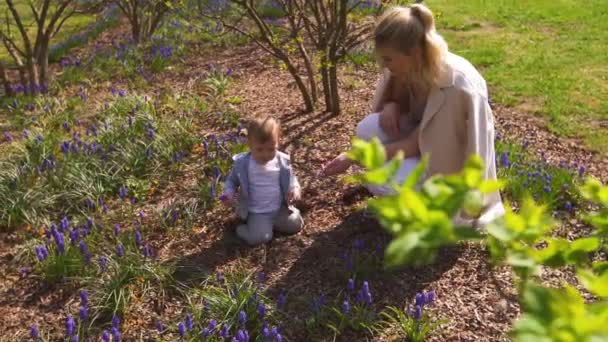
<point x="457" y="122"/>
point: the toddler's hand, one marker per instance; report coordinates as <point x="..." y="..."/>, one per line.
<point x="293" y="195"/>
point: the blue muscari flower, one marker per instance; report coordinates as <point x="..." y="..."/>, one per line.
<point x="64" y="224"/>
<point x="137" y="238"/>
<point x="82" y="313"/>
<point x="350" y="285"/>
<point x="417" y="312"/>
<point x="212" y="325"/>
<point x="274" y="331"/>
<point x="34" y="334"/>
<point x="70" y="326"/>
<point x="345" y="307"/>
<point x="83" y="247"/>
<point x="103" y="263"/>
<point x="218" y="277"/>
<point x="122" y="93"/>
<point x="84" y="298"/>
<point x="75" y="338"/>
<point x="120" y="250"/>
<point x="504" y="159"/>
<point x="38" y="139"/>
<point x="117" y="229"/>
<point x="420" y="299"/>
<point x="547" y="188"/>
<point x="265" y="333"/>
<point x="39" y="254"/>
<point x="581" y="171"/>
<point x="206" y="332"/>
<point x="65" y="147"/>
<point x="105" y="336"/>
<point x="66" y="126"/>
<point x="182" y="329"/>
<point x="242" y="318"/>
<point x="278" y="338"/>
<point x="122" y="191"/>
<point x="115" y="322"/>
<point x="240" y="336"/>
<point x="160" y="327"/>
<point x="115" y="334"/>
<point x="429" y="297"/>
<point x="261" y="310"/>
<point x="224" y="331"/>
<point x="282" y="300"/>
<point x="568" y="206"/>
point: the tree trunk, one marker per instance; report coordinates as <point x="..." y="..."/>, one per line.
<point x="23" y="77"/>
<point x="32" y="70"/>
<point x="333" y="89"/>
<point x="309" y="70"/>
<point x="326" y="82"/>
<point x="308" y="103"/>
<point x="43" y="63"/>
<point x="8" y="91"/>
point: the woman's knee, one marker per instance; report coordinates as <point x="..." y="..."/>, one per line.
<point x="369" y="127"/>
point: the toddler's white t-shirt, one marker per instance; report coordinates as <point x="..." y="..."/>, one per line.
<point x="264" y="186"/>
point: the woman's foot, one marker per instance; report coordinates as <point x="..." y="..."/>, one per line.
<point x="337" y="166"/>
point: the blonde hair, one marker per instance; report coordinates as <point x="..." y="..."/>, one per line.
<point x="262" y="129"/>
<point x="405" y="28"/>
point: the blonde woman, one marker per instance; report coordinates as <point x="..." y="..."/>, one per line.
<point x="428" y="101"/>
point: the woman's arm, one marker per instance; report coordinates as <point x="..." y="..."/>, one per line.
<point x="409" y="145"/>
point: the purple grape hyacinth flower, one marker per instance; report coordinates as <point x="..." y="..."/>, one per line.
<point x="189" y="323"/>
<point x="138" y="238"/>
<point x="8" y="136"/>
<point x="84" y="298"/>
<point x="182" y="329"/>
<point x="105" y="336"/>
<point x="82" y="313"/>
<point x="224" y="331"/>
<point x="115" y="335"/>
<point x="345" y="307"/>
<point x="122" y="192"/>
<point x="115" y="322"/>
<point x="103" y="263"/>
<point x="282" y="300"/>
<point x="117" y="229"/>
<point x="242" y="318"/>
<point x="350" y="285"/>
<point x="160" y="327"/>
<point x="70" y="326"/>
<point x="34" y="333"/>
<point x="120" y="250"/>
<point x="261" y="310"/>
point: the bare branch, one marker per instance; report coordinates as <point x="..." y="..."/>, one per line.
<point x="17" y="18"/>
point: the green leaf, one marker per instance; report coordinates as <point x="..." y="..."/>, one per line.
<point x="416" y="175"/>
<point x="413" y="201"/>
<point x="499" y="230"/>
<point x="597" y="285"/>
<point x="371" y="155"/>
<point x="467" y="233"/>
<point x="489" y="186"/>
<point x="580" y="248"/>
<point x="399" y="251"/>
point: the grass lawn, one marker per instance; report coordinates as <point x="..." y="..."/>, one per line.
<point x="74" y="24"/>
<point x="547" y="57"/>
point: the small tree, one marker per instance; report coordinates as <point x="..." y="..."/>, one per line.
<point x="31" y="53"/>
<point x="144" y="16"/>
<point x="331" y="29"/>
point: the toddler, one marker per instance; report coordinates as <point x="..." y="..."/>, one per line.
<point x="263" y="186"/>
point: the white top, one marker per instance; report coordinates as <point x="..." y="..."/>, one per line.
<point x="264" y="186"/>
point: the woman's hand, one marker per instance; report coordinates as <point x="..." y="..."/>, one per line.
<point x="389" y="120"/>
<point x="337" y="166"/>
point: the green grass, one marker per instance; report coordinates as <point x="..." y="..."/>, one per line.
<point x="73" y="25"/>
<point x="542" y="57"/>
